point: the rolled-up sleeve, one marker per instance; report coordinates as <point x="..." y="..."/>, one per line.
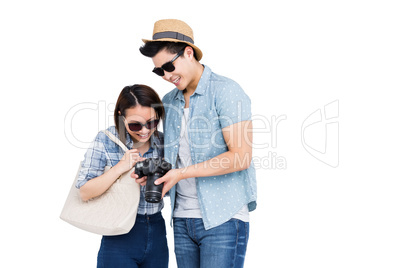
<point x="232" y="104"/>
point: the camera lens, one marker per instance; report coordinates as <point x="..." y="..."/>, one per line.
<point x="153" y="168"/>
<point x="153" y="193"/>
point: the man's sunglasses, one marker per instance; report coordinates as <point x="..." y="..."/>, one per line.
<point x="168" y="66"/>
<point x="138" y="126"/>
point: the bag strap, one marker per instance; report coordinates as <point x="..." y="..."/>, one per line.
<point x="116" y="140"/>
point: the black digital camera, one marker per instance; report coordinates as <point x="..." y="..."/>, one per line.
<point x="153" y="168"/>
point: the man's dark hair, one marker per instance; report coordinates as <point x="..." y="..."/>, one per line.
<point x="150" y="49"/>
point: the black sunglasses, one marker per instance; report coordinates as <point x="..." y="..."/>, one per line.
<point x="168" y="66"/>
<point x="138" y="126"/>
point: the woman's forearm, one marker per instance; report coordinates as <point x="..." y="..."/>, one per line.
<point x="99" y="185"/>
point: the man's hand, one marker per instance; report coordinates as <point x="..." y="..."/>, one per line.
<point x="170" y="179"/>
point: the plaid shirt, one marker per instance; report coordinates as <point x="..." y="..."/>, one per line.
<point x="104" y="152"/>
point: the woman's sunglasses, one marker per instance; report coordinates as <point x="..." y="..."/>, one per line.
<point x="168" y="66"/>
<point x="138" y="126"/>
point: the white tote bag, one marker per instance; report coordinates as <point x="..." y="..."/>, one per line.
<point x="112" y="213"/>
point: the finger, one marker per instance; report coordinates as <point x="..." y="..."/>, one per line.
<point x="133" y="175"/>
<point x="165" y="189"/>
<point x="142" y="180"/>
<point x="159" y="181"/>
<point x="139" y="180"/>
<point x="131" y="156"/>
<point x="162" y="179"/>
<point x="135" y="156"/>
<point x="163" y="193"/>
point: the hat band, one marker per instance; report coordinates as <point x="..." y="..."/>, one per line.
<point x="174" y="35"/>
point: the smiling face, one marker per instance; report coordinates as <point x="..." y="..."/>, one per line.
<point x="140" y="114"/>
<point x="185" y="75"/>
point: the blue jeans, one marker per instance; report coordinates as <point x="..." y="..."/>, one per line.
<point x="144" y="246"/>
<point x="223" y="246"/>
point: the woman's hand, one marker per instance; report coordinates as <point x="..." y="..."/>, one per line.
<point x="142" y="181"/>
<point x="130" y="158"/>
<point x="170" y="179"/>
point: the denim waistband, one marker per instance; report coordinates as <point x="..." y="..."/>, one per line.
<point x="149" y="218"/>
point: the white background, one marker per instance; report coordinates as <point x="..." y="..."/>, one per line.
<point x="291" y="57"/>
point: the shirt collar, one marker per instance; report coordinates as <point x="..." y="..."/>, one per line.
<point x="203" y="83"/>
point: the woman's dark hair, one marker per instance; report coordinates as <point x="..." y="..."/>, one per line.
<point x="130" y="97"/>
<point x="150" y="49"/>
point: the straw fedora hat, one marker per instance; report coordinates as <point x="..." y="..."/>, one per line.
<point x="174" y="31"/>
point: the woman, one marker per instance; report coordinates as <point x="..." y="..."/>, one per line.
<point x="136" y="116"/>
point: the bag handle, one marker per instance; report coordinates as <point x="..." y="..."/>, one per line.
<point x="115" y="139"/>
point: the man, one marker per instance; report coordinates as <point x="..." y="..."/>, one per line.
<point x="208" y="140"/>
